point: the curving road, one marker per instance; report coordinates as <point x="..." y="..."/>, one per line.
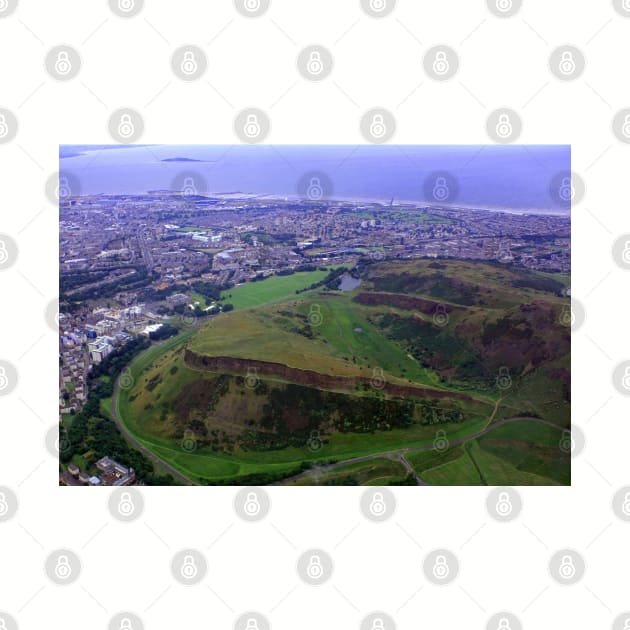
<point x="398" y="454"/>
<point x="138" y="445"/>
<point x="395" y="455"/>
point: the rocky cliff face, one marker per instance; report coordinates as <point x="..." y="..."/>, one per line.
<point x="408" y="302"/>
<point x="261" y="369"/>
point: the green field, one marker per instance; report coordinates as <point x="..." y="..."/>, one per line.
<point x="526" y="452"/>
<point x="271" y="289"/>
<point x="252" y="426"/>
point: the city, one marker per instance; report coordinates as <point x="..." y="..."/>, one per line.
<point x="145" y="266"/>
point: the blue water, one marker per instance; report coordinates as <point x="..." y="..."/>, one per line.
<point x="500" y="177"/>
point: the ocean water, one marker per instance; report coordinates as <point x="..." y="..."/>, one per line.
<point x="497" y="177"/>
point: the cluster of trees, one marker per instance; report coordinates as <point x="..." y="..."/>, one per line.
<point x="164" y="332"/>
<point x="315" y="409"/>
<point x="90" y="431"/>
<point x="113" y="365"/>
<point x="141" y="278"/>
<point x="270" y="239"/>
<point x="157" y="295"/>
<point x="69" y="281"/>
<point x="208" y="290"/>
<point x="431" y="413"/>
<point x="331" y="281"/>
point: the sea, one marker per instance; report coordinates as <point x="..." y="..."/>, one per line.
<point x="512" y="178"/>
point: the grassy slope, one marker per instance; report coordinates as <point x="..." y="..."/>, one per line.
<point x="247" y="334"/>
<point x="523" y="453"/>
<point x="270" y="289"/>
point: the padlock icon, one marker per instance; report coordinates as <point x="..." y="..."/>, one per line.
<point x="62" y="63"/>
<point x="4" y="379"/>
<point x="125" y="505"/>
<point x="626" y="253"/>
<point x="378" y="624"/>
<point x="504" y="380"/>
<point x="315" y="65"/>
<point x="125" y="126"/>
<point x="625" y="5"/>
<point x="125" y="624"/>
<point x="440" y="316"/>
<point x="625" y="129"/>
<point x="441" y="191"/>
<point x="126" y="5"/>
<point x="567" y="568"/>
<point x="314" y="441"/>
<point x="566" y="442"/>
<point x="63" y="570"/>
<point x="440" y="443"/>
<point x="315" y="317"/>
<point x="252" y="624"/>
<point x="4" y="4"/>
<point x="378" y="378"/>
<point x="189" y="64"/>
<point x="378" y="507"/>
<point x="315" y="191"/>
<point x="378" y="128"/>
<point x="4" y="128"/>
<point x="504" y="5"/>
<point x="252" y="5"/>
<point x="440" y="63"/>
<point x="504" y="505"/>
<point x="189" y="442"/>
<point x="566" y="191"/>
<point x="189" y="569"/>
<point x="63" y="188"/>
<point x="3" y="623"/>
<point x="251" y="380"/>
<point x="567" y="316"/>
<point x="189" y="189"/>
<point x="626" y="378"/>
<point x="504" y="624"/>
<point x="4" y="506"/>
<point x="504" y="126"/>
<point x="441" y="569"/>
<point x="626" y="625"/>
<point x="378" y="5"/>
<point x="625" y="506"/>
<point x="567" y="63"/>
<point x="314" y="570"/>
<point x="252" y="126"/>
<point x="252" y="504"/>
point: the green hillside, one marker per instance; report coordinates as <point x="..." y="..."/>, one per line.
<point x="420" y="349"/>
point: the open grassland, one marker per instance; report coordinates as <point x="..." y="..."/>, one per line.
<point x="271" y="289"/>
<point x="525" y="452"/>
<point x="328" y="333"/>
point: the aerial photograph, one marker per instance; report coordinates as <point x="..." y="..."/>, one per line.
<point x="296" y="315"/>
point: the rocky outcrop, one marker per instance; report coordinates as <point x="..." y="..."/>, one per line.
<point x="407" y="302"/>
<point x="232" y="365"/>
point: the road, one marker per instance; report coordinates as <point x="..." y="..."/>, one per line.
<point x="398" y="454"/>
<point x="395" y="455"/>
<point x="138" y="445"/>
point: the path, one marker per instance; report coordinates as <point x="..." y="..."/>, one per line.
<point x="138" y="445"/>
<point x="398" y="453"/>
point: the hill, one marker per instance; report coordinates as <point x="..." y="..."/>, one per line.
<point x="419" y="349"/>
